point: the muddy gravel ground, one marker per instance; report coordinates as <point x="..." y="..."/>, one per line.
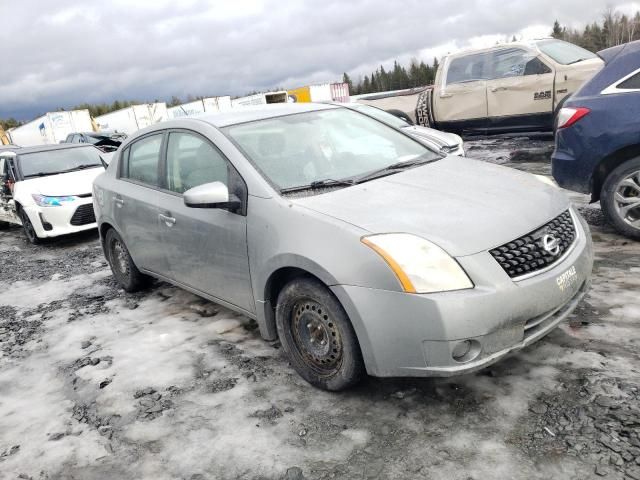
<point x="99" y="384"/>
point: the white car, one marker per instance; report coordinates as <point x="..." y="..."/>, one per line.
<point x="444" y="142"/>
<point x="47" y="189"/>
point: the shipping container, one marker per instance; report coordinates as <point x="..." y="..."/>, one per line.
<point x="52" y="127"/>
<point x="260" y="99"/>
<point x="128" y="120"/>
<point x="197" y="107"/>
<point x="325" y="92"/>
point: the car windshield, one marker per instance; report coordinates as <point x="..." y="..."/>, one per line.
<point x="336" y="144"/>
<point x="564" y="53"/>
<point x="52" y="162"/>
<point x="381" y="115"/>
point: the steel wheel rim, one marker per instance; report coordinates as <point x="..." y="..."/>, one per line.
<point x="120" y="257"/>
<point x="316" y="336"/>
<point x="627" y="199"/>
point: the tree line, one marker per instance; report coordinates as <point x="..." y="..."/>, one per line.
<point x="614" y="28"/>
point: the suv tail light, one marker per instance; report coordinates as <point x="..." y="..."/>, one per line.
<point x="567" y="116"/>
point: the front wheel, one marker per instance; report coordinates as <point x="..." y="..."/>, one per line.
<point x="28" y="229"/>
<point x="317" y="335"/>
<point x="620" y="198"/>
<point x="122" y="266"/>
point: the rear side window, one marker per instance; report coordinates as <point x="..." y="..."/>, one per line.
<point x="142" y="160"/>
<point x="631" y="83"/>
<point x="468" y="68"/>
<point x="193" y="161"/>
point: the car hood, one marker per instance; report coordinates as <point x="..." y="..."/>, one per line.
<point x="465" y="206"/>
<point x="441" y="139"/>
<point x="72" y="183"/>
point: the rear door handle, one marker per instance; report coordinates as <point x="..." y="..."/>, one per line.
<point x="118" y="201"/>
<point x="169" y="221"/>
<point x="446" y="95"/>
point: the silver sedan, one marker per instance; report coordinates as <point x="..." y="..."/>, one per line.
<point x="357" y="246"/>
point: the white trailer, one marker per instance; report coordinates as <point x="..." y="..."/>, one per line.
<point x="205" y="105"/>
<point x="52" y="127"/>
<point x="329" y="92"/>
<point x="260" y="99"/>
<point x="128" y="120"/>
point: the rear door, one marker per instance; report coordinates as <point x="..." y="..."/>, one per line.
<point x="135" y="197"/>
<point x="206" y="248"/>
<point x="461" y="102"/>
<point x="519" y="91"/>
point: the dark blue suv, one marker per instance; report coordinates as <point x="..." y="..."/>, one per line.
<point x="598" y="139"/>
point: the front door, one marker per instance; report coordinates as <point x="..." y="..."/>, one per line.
<point x="519" y="92"/>
<point x="206" y="248"/>
<point x="135" y="200"/>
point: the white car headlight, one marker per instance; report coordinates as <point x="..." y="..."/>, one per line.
<point x="421" y="266"/>
<point x="546" y="180"/>
<point x="46" y="201"/>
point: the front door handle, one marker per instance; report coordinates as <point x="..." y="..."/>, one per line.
<point x="446" y="95"/>
<point x="169" y="221"/>
<point x="498" y="89"/>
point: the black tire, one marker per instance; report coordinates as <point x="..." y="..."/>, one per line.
<point x="124" y="270"/>
<point x="4" y="225"/>
<point x="308" y="314"/>
<point x="610" y="206"/>
<point x="27" y="228"/>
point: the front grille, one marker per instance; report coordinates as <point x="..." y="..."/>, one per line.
<point x="83" y="215"/>
<point x="526" y="255"/>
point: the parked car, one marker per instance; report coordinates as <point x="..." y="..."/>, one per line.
<point x="506" y="88"/>
<point x="598" y="139"/>
<point x="105" y="141"/>
<point x="47" y="189"/>
<point x="353" y="243"/>
<point x="447" y="143"/>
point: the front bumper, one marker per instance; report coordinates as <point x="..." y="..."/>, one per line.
<point x="404" y="334"/>
<point x="55" y="221"/>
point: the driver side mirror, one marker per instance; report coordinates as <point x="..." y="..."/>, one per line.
<point x="211" y="195"/>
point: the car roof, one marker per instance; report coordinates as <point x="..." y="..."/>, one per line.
<point x="527" y="44"/>
<point x="262" y="112"/>
<point x="48" y="148"/>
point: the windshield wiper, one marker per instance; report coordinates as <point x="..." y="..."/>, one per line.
<point x="576" y="61"/>
<point x="328" y="182"/>
<point x="394" y="167"/>
<point x="78" y="167"/>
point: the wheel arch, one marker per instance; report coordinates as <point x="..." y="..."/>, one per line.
<point x="609" y="164"/>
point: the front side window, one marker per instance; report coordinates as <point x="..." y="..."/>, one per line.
<point x="143" y="160"/>
<point x="564" y="53"/>
<point x="469" y="68"/>
<point x="335" y="144"/>
<point x="193" y="161"/>
<point x="52" y="162"/>
<point x="515" y="62"/>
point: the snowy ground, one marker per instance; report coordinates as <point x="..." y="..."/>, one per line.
<point x="96" y="383"/>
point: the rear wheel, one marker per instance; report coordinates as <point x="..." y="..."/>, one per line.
<point x="620" y="198"/>
<point x="317" y="335"/>
<point x="122" y="266"/>
<point x="28" y="229"/>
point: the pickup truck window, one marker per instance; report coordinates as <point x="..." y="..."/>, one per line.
<point x="564" y="53"/>
<point x="516" y="62"/>
<point x="468" y="68"/>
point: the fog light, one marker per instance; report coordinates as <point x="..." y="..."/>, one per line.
<point x="465" y="351"/>
<point x="461" y="349"/>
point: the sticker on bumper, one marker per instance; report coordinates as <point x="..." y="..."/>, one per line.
<point x="567" y="279"/>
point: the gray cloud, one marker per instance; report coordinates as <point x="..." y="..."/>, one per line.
<point x="58" y="54"/>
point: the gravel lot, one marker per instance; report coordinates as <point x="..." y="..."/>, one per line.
<point x="96" y="383"/>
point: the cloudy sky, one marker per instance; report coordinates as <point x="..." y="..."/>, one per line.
<point x="59" y="54"/>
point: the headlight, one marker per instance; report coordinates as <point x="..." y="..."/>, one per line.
<point x="44" y="201"/>
<point x="421" y="266"/>
<point x="546" y="180"/>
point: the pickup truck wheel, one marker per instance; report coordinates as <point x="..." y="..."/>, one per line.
<point x="620" y="198"/>
<point x="317" y="335"/>
<point x="124" y="270"/>
<point x="28" y="229"/>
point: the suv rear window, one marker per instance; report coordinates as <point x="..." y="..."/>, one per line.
<point x="564" y="53"/>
